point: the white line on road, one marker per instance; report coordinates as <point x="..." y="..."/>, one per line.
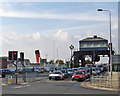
<point x="18" y="87"/>
<point x="22" y="86"/>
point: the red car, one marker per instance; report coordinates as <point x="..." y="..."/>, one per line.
<point x="43" y="69"/>
<point x="78" y="75"/>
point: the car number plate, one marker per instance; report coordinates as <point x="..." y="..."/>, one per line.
<point x="77" y="78"/>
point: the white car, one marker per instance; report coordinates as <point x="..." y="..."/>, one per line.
<point x="56" y="75"/>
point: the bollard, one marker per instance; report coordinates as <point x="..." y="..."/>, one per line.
<point x="104" y="81"/>
<point x="10" y="80"/>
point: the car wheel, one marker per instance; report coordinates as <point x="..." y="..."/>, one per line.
<point x="63" y="78"/>
<point x="49" y="78"/>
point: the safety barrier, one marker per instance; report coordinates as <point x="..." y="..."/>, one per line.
<point x="104" y="81"/>
<point x="27" y="77"/>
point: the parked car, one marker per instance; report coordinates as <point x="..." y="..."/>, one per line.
<point x="97" y="70"/>
<point x="101" y="67"/>
<point x="56" y="75"/>
<point x="70" y="72"/>
<point x="65" y="73"/>
<point x="43" y="69"/>
<point x="80" y="68"/>
<point x="75" y="69"/>
<point x="4" y="72"/>
<point x="88" y="65"/>
<point x="94" y="72"/>
<point x="38" y="70"/>
<point x="78" y="75"/>
<point x="88" y="72"/>
<point x="51" y="69"/>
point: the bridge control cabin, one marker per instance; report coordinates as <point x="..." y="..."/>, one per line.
<point x="92" y="46"/>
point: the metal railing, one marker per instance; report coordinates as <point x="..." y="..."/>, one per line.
<point x="104" y="81"/>
<point x="27" y="77"/>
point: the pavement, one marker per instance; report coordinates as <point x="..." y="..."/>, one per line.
<point x="116" y="84"/>
<point x="88" y="85"/>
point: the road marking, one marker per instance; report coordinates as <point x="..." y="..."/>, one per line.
<point x="61" y="81"/>
<point x="26" y="86"/>
<point x="18" y="87"/>
<point x="22" y="86"/>
<point x="3" y="84"/>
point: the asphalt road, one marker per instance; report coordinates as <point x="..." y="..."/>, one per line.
<point x="46" y="86"/>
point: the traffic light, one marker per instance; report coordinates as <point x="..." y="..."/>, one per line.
<point x="22" y="56"/>
<point x="10" y="53"/>
<point x="15" y="53"/>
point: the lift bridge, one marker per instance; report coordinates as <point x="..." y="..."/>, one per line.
<point x="94" y="47"/>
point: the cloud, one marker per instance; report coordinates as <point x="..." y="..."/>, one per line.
<point x="62" y="35"/>
<point x="49" y="15"/>
<point x="36" y="35"/>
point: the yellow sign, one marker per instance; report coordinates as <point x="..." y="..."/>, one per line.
<point x="10" y="79"/>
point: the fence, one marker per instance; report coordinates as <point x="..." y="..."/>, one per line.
<point x="28" y="77"/>
<point x="104" y="81"/>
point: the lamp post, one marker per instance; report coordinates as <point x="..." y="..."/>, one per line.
<point x="110" y="44"/>
<point x="71" y="48"/>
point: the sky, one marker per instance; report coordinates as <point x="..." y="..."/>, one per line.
<point x="52" y="27"/>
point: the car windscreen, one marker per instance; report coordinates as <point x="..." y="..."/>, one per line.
<point x="77" y="73"/>
<point x="56" y="73"/>
<point x="63" y="71"/>
<point x="93" y="69"/>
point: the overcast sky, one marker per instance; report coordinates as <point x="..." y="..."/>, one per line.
<point x="53" y="27"/>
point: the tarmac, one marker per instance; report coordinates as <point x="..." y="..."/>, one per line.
<point x="85" y="84"/>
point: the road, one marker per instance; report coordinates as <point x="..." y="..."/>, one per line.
<point x="46" y="86"/>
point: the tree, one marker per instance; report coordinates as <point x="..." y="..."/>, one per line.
<point x="88" y="62"/>
<point x="51" y="61"/>
<point x="59" y="61"/>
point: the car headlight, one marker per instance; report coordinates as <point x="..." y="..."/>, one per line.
<point x="73" y="77"/>
<point x="81" y="77"/>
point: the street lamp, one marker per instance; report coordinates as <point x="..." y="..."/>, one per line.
<point x="110" y="44"/>
<point x="71" y="48"/>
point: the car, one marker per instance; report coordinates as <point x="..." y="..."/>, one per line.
<point x="94" y="72"/>
<point x="42" y="68"/>
<point x="51" y="69"/>
<point x="4" y="72"/>
<point x="78" y="76"/>
<point x="75" y="69"/>
<point x="56" y="75"/>
<point x="70" y="72"/>
<point x="38" y="70"/>
<point x="89" y="65"/>
<point x="65" y="73"/>
<point x="80" y="68"/>
<point x="97" y="70"/>
<point x="101" y="67"/>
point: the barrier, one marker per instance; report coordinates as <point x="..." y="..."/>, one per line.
<point x="104" y="81"/>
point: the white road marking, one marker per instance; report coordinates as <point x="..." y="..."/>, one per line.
<point x="18" y="87"/>
<point x="22" y="86"/>
<point x="26" y="86"/>
<point x="3" y="84"/>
